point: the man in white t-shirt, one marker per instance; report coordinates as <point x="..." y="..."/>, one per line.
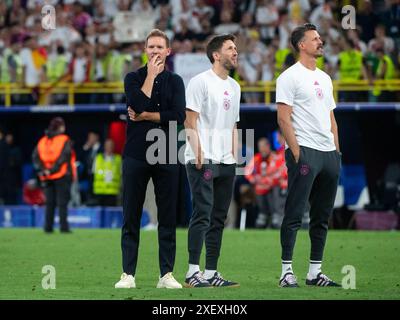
<point x="212" y="110"/>
<point x="304" y="95"/>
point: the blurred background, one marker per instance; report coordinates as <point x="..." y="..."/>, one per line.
<point x="69" y="59"/>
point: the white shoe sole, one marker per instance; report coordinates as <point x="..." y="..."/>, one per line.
<point x="165" y="287"/>
<point x="125" y="286"/>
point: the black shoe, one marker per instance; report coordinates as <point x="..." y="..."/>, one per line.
<point x="322" y="281"/>
<point x="218" y="281"/>
<point x="48" y="231"/>
<point x="66" y="231"/>
<point x="197" y="281"/>
<point x="288" y="281"/>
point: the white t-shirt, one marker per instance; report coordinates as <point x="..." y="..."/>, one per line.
<point x="310" y="94"/>
<point x="79" y="74"/>
<point x="218" y="102"/>
<point x="32" y="74"/>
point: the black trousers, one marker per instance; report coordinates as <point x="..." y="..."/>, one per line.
<point x="313" y="179"/>
<point x="58" y="194"/>
<point x="136" y="175"/>
<point x="211" y="189"/>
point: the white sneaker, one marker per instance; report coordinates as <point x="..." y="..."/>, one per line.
<point x="169" y="282"/>
<point x="127" y="281"/>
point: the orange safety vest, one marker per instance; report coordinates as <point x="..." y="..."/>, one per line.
<point x="49" y="150"/>
<point x="73" y="166"/>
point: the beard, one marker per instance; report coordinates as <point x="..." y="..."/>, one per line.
<point x="228" y="65"/>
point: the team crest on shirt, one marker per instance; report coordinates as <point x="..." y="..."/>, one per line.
<point x="319" y="93"/>
<point x="227" y="104"/>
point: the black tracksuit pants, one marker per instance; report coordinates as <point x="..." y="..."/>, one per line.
<point x="211" y="189"/>
<point x="136" y="175"/>
<point x="314" y="178"/>
<point x="58" y="194"/>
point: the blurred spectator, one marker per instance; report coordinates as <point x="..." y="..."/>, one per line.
<point x="3" y="14"/>
<point x="284" y="58"/>
<point x="353" y="35"/>
<point x="202" y="11"/>
<point x="381" y="40"/>
<point x="13" y="172"/>
<point x="350" y="61"/>
<point x="227" y="25"/>
<point x="144" y="9"/>
<point x="186" y="15"/>
<point x="57" y="64"/>
<point x="352" y="67"/>
<point x="33" y="59"/>
<point x="323" y="11"/>
<point x="268" y="65"/>
<point x="80" y="66"/>
<point x="75" y="200"/>
<point x="100" y="15"/>
<point x="391" y="19"/>
<point x="164" y="21"/>
<point x="298" y="11"/>
<point x="183" y="32"/>
<point x="286" y="26"/>
<point x="65" y="32"/>
<point x="267" y="173"/>
<point x="367" y="19"/>
<point x="3" y="165"/>
<point x="11" y="64"/>
<point x="16" y="14"/>
<point x="249" y="65"/>
<point x="32" y="193"/>
<point x="267" y="17"/>
<point x="81" y="18"/>
<point x="121" y="63"/>
<point x="107" y="169"/>
<point x="385" y="71"/>
<point x="90" y="150"/>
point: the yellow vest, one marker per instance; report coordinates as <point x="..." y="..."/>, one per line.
<point x="55" y="69"/>
<point x="350" y="65"/>
<point x="321" y="63"/>
<point x="5" y="76"/>
<point x="280" y="57"/>
<point x="107" y="175"/>
<point x="118" y="62"/>
<point x="390" y="70"/>
<point x="389" y="73"/>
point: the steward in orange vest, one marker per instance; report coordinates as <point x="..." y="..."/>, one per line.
<point x="53" y="158"/>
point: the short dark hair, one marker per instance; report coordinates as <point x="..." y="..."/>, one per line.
<point x="158" y="33"/>
<point x="298" y="34"/>
<point x="56" y="123"/>
<point x="216" y="44"/>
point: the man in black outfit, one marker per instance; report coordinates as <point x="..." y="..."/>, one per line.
<point x="155" y="97"/>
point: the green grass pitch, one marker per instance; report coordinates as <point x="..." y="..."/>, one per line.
<point x="88" y="263"/>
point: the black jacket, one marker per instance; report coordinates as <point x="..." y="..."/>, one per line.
<point x="167" y="98"/>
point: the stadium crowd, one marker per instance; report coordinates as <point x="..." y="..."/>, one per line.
<point x="101" y="40"/>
